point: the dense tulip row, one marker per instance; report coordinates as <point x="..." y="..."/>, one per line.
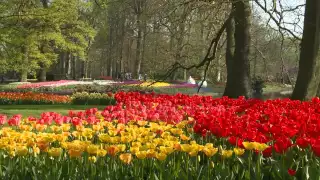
<point x="53" y="84"/>
<point x="32" y="98"/>
<point x="48" y="84"/>
<point x="154" y="136"/>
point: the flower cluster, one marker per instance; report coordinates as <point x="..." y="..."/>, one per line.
<point x="93" y="140"/>
<point x="177" y="136"/>
<point x="282" y="123"/>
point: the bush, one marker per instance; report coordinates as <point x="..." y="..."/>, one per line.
<point x="85" y="98"/>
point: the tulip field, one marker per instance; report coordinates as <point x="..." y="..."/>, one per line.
<point x="158" y="136"/>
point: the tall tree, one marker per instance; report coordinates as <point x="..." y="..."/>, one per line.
<point x="308" y="78"/>
<point x="229" y="57"/>
<point x="239" y="72"/>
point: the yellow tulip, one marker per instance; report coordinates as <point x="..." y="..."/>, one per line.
<point x="151" y="153"/>
<point x="41" y="127"/>
<point x="93" y="149"/>
<point x="121" y="147"/>
<point x="184" y="137"/>
<point x="76" y="134"/>
<point x="134" y="150"/>
<point x="87" y="133"/>
<point x="75" y="152"/>
<point x="261" y="146"/>
<point x="22" y="150"/>
<point x="238" y="151"/>
<point x="136" y="144"/>
<point x="101" y="152"/>
<point x="248" y="145"/>
<point x="80" y="128"/>
<point x="193" y="153"/>
<point x="25" y="127"/>
<point x="92" y="159"/>
<point x="56" y="129"/>
<point x="54" y="152"/>
<point x="161" y="156"/>
<point x="60" y="137"/>
<point x="115" y="140"/>
<point x="12" y="154"/>
<point x="65" y="127"/>
<point x="151" y="145"/>
<point x="177" y="147"/>
<point x="97" y="128"/>
<point x="186" y="147"/>
<point x="208" y="151"/>
<point x="141" y="154"/>
<point x="176" y="131"/>
<point x="142" y="123"/>
<point x="209" y="145"/>
<point x="126" y="139"/>
<point x="112" y="150"/>
<point x="226" y="153"/>
<point x="126" y="158"/>
<point x="105" y="138"/>
<point x="166" y="150"/>
<point x="182" y="124"/>
<point x="35" y="150"/>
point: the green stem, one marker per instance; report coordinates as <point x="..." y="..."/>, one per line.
<point x="259" y="166"/>
<point x="249" y="163"/>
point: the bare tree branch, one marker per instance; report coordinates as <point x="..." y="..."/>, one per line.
<point x="278" y="23"/>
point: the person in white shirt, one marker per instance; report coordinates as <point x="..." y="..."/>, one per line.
<point x="191" y="80"/>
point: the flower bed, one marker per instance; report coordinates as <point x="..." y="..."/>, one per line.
<point x="7" y="98"/>
<point x="32" y="98"/>
<point x="51" y="84"/>
<point x="173" y="137"/>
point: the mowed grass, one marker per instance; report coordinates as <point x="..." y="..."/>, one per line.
<point x="36" y="110"/>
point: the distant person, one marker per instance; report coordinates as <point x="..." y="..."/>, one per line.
<point x="145" y="77"/>
<point x="204" y="84"/>
<point x="191" y="80"/>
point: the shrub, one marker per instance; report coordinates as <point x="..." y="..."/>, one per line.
<point x="85" y="98"/>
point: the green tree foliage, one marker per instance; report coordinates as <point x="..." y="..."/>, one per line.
<point x="32" y="34"/>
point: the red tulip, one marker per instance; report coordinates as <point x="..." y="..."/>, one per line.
<point x="291" y="172"/>
<point x="3" y="119"/>
<point x="267" y="152"/>
<point x="302" y="142"/>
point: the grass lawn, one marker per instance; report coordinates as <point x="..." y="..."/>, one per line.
<point x="36" y="110"/>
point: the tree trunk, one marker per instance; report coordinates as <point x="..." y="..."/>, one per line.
<point x="229" y="57"/>
<point x="218" y="69"/>
<point x="43" y="70"/>
<point x="25" y="61"/>
<point x="83" y="69"/>
<point x="74" y="67"/>
<point x="42" y="73"/>
<point x="138" y="48"/>
<point x="307" y="83"/>
<point x="241" y="81"/>
<point x="68" y="65"/>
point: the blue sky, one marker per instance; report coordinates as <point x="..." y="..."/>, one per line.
<point x="290" y="18"/>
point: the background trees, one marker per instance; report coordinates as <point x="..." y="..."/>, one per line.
<point x="89" y="38"/>
<point x="34" y="33"/>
